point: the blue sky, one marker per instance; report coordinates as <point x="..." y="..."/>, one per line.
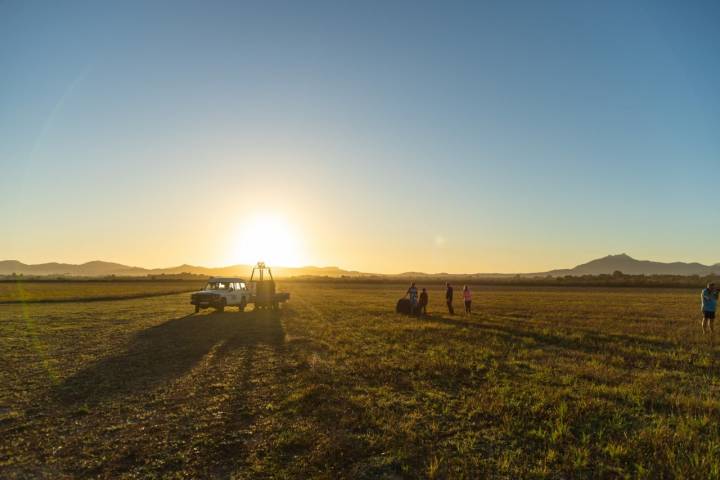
<point x="436" y="136"/>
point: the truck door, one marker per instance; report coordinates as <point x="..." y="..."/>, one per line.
<point x="233" y="295"/>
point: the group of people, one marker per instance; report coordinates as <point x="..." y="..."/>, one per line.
<point x="419" y="301"/>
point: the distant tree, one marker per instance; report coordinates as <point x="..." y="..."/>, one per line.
<point x="618" y="274"/>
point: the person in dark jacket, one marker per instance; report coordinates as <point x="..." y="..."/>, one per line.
<point x="423" y="302"/>
<point x="449" y="298"/>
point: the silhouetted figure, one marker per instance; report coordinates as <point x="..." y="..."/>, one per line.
<point x="412" y="294"/>
<point x="449" y="298"/>
<point x="468" y="300"/>
<point x="423" y="302"/>
<point x="709" y="306"/>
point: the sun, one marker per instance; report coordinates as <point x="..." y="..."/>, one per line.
<point x="270" y="239"/>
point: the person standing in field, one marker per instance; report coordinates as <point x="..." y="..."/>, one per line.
<point x="709" y="306"/>
<point x="468" y="300"/>
<point x="412" y="293"/>
<point x="449" y="298"/>
<point x="423" y="302"/>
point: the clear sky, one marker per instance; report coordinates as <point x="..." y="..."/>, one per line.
<point x="381" y="136"/>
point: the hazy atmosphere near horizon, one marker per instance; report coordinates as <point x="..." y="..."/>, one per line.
<point x="375" y="136"/>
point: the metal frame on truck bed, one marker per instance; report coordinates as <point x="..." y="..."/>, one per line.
<point x="265" y="294"/>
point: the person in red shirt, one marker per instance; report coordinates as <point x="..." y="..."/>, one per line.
<point x="468" y="300"/>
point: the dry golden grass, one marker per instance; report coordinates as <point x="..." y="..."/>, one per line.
<point x="67" y="291"/>
<point x="538" y="383"/>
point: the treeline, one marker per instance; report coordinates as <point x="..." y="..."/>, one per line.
<point x="617" y="279"/>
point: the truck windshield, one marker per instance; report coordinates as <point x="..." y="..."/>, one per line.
<point x="217" y="286"/>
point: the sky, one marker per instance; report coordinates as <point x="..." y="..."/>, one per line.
<point x="384" y="136"/>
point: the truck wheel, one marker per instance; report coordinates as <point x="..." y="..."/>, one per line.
<point x="242" y="305"/>
<point x="197" y="308"/>
<point x="221" y="308"/>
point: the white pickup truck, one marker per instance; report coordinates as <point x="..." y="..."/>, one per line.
<point x="221" y="292"/>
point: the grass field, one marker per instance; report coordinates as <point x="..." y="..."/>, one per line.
<point x="538" y="383"/>
<point x="59" y="291"/>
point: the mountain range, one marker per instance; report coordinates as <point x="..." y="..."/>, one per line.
<point x="606" y="265"/>
<point x="102" y="269"/>
<point x="630" y="266"/>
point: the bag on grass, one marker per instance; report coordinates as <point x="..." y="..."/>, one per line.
<point x="404" y="306"/>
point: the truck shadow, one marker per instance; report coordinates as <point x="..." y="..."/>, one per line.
<point x="160" y="354"/>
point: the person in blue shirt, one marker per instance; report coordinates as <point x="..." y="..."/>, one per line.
<point x="709" y="306"/>
<point x="412" y="293"/>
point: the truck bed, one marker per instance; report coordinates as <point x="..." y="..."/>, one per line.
<point x="282" y="297"/>
<point x="278" y="297"/>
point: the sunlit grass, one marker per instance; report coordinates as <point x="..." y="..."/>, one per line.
<point x="541" y="383"/>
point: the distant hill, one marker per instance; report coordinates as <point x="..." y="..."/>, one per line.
<point x="606" y="265"/>
<point x="103" y="269"/>
<point x="89" y="269"/>
<point x="628" y="265"/>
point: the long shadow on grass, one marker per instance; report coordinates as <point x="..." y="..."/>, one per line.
<point x="313" y="426"/>
<point x="647" y="352"/>
<point x="165" y="352"/>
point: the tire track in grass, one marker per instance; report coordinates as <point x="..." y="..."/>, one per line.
<point x="312" y="308"/>
<point x="255" y="385"/>
<point x="184" y="408"/>
<point x="218" y="410"/>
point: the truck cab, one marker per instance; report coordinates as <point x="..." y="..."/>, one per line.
<point x="221" y="292"/>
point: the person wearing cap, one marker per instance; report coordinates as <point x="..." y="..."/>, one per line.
<point x="709" y="306"/>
